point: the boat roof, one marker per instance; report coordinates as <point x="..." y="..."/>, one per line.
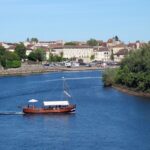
<point x="33" y="101"/>
<point x="55" y="103"/>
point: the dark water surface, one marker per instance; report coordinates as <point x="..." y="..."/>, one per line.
<point x="105" y="118"/>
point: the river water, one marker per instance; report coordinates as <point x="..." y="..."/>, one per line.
<point x="105" y="119"/>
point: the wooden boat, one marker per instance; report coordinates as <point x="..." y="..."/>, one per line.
<point x="50" y="106"/>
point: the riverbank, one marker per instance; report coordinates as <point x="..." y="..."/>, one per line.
<point x="131" y="91"/>
<point x="35" y="69"/>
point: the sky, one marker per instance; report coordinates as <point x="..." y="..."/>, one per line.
<point x="74" y="20"/>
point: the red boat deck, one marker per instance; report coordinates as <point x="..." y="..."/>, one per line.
<point x="45" y="110"/>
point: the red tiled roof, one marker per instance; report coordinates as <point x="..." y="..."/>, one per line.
<point x="122" y="52"/>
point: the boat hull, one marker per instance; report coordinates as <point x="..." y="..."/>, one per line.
<point x="34" y="110"/>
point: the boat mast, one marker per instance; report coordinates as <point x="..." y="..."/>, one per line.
<point x="65" y="90"/>
<point x="63" y="87"/>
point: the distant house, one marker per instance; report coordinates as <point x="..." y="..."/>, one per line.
<point x="117" y="48"/>
<point x="135" y="45"/>
<point x="102" y="54"/>
<point x="120" y="55"/>
<point x="11" y="48"/>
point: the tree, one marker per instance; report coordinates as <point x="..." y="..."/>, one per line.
<point x="10" y="60"/>
<point x="32" y="56"/>
<point x="112" y="55"/>
<point x="109" y="77"/>
<point x="134" y="71"/>
<point x="61" y="55"/>
<point x="38" y="55"/>
<point x="34" y="40"/>
<point x="71" y="43"/>
<point x="2" y="50"/>
<point x="20" y="50"/>
<point x="92" y="42"/>
<point x="116" y="38"/>
<point x="92" y="57"/>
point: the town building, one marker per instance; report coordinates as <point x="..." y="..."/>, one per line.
<point x="102" y="54"/>
<point x="120" y="55"/>
<point x="74" y="52"/>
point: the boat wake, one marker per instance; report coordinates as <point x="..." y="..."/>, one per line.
<point x="78" y="78"/>
<point x="11" y="113"/>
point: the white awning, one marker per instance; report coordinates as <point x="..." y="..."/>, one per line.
<point x="56" y="103"/>
<point x="33" y="101"/>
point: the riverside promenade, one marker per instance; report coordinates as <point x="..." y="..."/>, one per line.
<point x="33" y="69"/>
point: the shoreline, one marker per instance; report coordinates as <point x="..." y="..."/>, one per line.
<point x="42" y="69"/>
<point x="130" y="91"/>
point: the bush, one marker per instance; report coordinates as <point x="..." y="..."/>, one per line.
<point x="13" y="64"/>
<point x="10" y="60"/>
<point x="109" y="77"/>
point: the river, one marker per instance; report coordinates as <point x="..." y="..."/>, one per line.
<point x="105" y="119"/>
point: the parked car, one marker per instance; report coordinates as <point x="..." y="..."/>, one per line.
<point x="75" y="64"/>
<point x="68" y="64"/>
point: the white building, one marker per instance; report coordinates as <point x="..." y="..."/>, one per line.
<point x="78" y="52"/>
<point x="102" y="54"/>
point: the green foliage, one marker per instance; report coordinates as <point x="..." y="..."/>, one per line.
<point x="109" y="77"/>
<point x="34" y="40"/>
<point x="13" y="64"/>
<point x="92" y="42"/>
<point x="134" y="71"/>
<point x="55" y="58"/>
<point x="32" y="56"/>
<point x="10" y="60"/>
<point x="112" y="55"/>
<point x="2" y="50"/>
<point x="92" y="57"/>
<point x="38" y="55"/>
<point x="20" y="50"/>
<point x="116" y="38"/>
<point x="71" y="43"/>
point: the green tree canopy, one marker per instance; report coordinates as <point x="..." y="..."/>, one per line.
<point x="2" y="50"/>
<point x="20" y="50"/>
<point x="134" y="71"/>
<point x="92" y="57"/>
<point x="92" y="42"/>
<point x="116" y="38"/>
<point x="10" y="60"/>
<point x="56" y="58"/>
<point x="71" y="43"/>
<point x="112" y="55"/>
<point x="32" y="56"/>
<point x="34" y="40"/>
<point x="38" y="55"/>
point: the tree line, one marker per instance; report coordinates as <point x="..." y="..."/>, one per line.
<point x="134" y="71"/>
<point x="13" y="59"/>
